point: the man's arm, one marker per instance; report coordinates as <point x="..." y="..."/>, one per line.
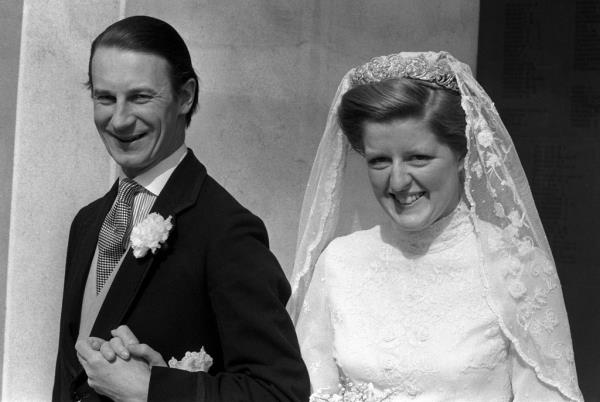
<point x="248" y="292"/>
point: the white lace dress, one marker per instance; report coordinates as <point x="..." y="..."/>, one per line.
<point x="407" y="314"/>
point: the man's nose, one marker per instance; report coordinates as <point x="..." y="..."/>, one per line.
<point x="400" y="178"/>
<point x="122" y="118"/>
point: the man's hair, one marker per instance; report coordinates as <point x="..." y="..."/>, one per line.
<point x="403" y="98"/>
<point x="150" y="35"/>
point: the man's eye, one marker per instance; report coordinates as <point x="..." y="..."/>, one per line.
<point x="141" y="98"/>
<point x="104" y="99"/>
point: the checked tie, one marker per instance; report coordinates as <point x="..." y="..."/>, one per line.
<point x="114" y="234"/>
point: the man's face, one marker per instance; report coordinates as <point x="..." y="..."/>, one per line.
<point x="140" y="119"/>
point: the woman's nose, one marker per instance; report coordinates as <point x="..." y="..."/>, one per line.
<point x="122" y="118"/>
<point x="399" y="178"/>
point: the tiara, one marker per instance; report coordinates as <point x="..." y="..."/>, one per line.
<point x="396" y="66"/>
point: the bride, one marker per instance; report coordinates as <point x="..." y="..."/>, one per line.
<point x="455" y="297"/>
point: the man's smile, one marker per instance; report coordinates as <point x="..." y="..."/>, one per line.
<point x="128" y="139"/>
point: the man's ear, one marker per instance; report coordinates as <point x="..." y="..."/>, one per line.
<point x="186" y="95"/>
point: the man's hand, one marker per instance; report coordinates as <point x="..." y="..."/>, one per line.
<point x="120" y="380"/>
<point x="125" y="344"/>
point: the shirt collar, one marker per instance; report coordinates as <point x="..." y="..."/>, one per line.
<point x="155" y="178"/>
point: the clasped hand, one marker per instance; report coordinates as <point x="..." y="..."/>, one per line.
<point x="118" y="368"/>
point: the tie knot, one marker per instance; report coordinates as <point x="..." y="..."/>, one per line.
<point x="128" y="189"/>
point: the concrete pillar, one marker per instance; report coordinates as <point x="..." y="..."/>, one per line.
<point x="10" y="32"/>
<point x="58" y="166"/>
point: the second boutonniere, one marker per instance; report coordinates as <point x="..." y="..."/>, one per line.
<point x="150" y="234"/>
<point x="193" y="361"/>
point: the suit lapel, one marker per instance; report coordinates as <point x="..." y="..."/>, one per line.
<point x="83" y="252"/>
<point x="180" y="192"/>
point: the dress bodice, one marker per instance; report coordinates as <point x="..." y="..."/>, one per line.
<point x="409" y="312"/>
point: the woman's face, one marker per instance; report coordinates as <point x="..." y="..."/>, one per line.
<point x="415" y="177"/>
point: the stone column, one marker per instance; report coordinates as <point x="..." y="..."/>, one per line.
<point x="58" y="165"/>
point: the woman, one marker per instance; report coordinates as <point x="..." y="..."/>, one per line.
<point x="455" y="297"/>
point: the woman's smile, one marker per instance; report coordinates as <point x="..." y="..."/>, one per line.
<point x="407" y="200"/>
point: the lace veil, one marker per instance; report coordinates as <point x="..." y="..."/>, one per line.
<point x="518" y="271"/>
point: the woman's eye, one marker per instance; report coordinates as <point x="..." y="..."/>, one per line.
<point x="378" y="163"/>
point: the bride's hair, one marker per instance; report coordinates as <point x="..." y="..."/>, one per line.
<point x="403" y="98"/>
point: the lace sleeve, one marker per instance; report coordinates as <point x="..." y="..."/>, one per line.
<point x="315" y="334"/>
<point x="526" y="385"/>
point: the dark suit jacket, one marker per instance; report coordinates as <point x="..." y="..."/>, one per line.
<point x="215" y="284"/>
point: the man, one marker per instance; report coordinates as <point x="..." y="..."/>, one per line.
<point x="198" y="273"/>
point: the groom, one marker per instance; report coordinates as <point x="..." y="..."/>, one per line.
<point x="208" y="281"/>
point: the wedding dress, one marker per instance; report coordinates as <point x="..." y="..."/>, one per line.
<point x="470" y="309"/>
<point x="406" y="313"/>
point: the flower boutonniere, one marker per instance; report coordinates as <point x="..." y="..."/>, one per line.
<point x="193" y="361"/>
<point x="150" y="234"/>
